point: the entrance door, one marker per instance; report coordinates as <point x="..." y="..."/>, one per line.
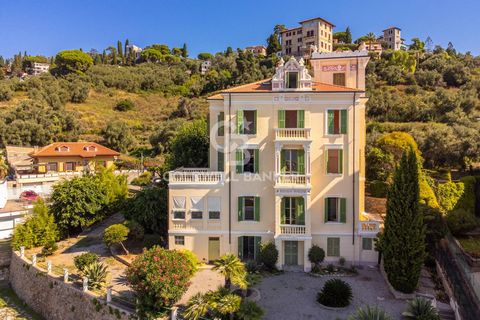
<point x="213" y="249"/>
<point x="291" y="253"/>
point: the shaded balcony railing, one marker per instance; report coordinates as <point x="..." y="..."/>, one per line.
<point x="292" y="229"/>
<point x="195" y="176"/>
<point x="293" y="179"/>
<point x="292" y="133"/>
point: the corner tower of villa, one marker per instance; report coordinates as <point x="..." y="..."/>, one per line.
<point x="286" y="166"/>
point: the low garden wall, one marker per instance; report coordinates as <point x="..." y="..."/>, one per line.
<point x="55" y="299"/>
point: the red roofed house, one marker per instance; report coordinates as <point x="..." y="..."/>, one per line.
<point x="72" y="157"/>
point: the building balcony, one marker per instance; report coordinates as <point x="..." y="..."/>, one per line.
<point x="187" y="176"/>
<point x="45" y="177"/>
<point x="292" y="134"/>
<point x="292" y="229"/>
<point x="292" y="180"/>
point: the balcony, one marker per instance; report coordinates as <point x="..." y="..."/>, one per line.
<point x="45" y="177"/>
<point x="187" y="176"/>
<point x="293" y="179"/>
<point x="293" y="229"/>
<point x="292" y="134"/>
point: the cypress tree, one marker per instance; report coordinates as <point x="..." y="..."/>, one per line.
<point x="403" y="241"/>
<point x="184" y="51"/>
<point x="120" y="50"/>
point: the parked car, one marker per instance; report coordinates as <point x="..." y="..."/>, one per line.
<point x="29" y="196"/>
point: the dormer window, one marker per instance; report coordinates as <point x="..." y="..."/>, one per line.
<point x="62" y="149"/>
<point x="292" y="80"/>
<point x="90" y="148"/>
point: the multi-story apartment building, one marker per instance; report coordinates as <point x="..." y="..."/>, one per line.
<point x="392" y="37"/>
<point x="257" y="50"/>
<point x="371" y="46"/>
<point x="37" y="68"/>
<point x="287" y="165"/>
<point x="312" y="35"/>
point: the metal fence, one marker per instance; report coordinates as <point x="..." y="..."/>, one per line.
<point x="459" y="277"/>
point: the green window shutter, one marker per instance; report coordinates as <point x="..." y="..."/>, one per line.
<point x="340" y="161"/>
<point x="331" y="122"/>
<point x="257" y="244"/>
<point x="301" y="161"/>
<point x="239" y="160"/>
<point x="343" y="210"/>
<point x="239" y="121"/>
<point x="240" y="208"/>
<point x="283" y="162"/>
<point x="220" y="121"/>
<point x="256" y="160"/>
<point x="281" y="118"/>
<point x="257" y="208"/>
<point x="301" y="210"/>
<point x="329" y="246"/>
<point x="327" y="160"/>
<point x="221" y="163"/>
<point x="333" y="247"/>
<point x="240" y="247"/>
<point x="301" y="119"/>
<point x="326" y="210"/>
<point x="343" y="121"/>
<point x="255" y="122"/>
<point x="282" y="211"/>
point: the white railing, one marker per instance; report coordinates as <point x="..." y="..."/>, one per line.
<point x="196" y="177"/>
<point x="368" y="227"/>
<point x="292" y="133"/>
<point x="292" y="229"/>
<point x="22" y="178"/>
<point x="295" y="179"/>
<point x="179" y="226"/>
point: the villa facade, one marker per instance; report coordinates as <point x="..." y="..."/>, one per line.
<point x="287" y="165"/>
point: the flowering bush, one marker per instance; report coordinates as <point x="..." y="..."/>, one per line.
<point x="159" y="277"/>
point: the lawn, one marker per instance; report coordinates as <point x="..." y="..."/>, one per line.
<point x="471" y="245"/>
<point x="11" y="307"/>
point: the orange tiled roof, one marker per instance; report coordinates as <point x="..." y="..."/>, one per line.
<point x="266" y="86"/>
<point x="75" y="149"/>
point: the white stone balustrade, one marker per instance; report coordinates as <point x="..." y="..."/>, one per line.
<point x="65" y="275"/>
<point x="196" y="176"/>
<point x="292" y="229"/>
<point x="292" y="134"/>
<point x="84" y="284"/>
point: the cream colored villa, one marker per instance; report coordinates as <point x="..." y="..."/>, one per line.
<point x="287" y="164"/>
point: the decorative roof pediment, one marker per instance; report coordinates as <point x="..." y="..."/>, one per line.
<point x="279" y="80"/>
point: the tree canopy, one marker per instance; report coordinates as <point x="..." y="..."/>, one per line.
<point x="72" y="61"/>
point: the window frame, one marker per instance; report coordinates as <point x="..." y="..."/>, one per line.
<point x="179" y="240"/>
<point x="329" y="252"/>
<point x="214" y="211"/>
<point x="341" y="209"/>
<point x="370" y="241"/>
<point x="341" y="160"/>
<point x="343" y="74"/>
<point x="287" y="79"/>
<point x="342" y="121"/>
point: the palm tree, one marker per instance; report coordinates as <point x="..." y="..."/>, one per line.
<point x="233" y="270"/>
<point x="197" y="306"/>
<point x="370" y="37"/>
<point x="228" y="304"/>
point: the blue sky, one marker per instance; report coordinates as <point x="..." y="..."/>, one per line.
<point x="48" y="26"/>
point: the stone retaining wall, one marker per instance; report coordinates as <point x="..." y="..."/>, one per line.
<point x="55" y="300"/>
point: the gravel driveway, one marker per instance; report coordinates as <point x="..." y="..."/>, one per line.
<point x="293" y="296"/>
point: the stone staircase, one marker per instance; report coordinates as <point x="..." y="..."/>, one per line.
<point x="445" y="311"/>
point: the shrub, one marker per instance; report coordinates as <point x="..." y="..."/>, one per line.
<point x="249" y="310"/>
<point x="192" y="259"/>
<point x="49" y="248"/>
<point x="460" y="221"/>
<point x="137" y="232"/>
<point x="143" y="179"/>
<point x="335" y="293"/>
<point x="268" y="255"/>
<point x="341" y="261"/>
<point x="251" y="266"/>
<point x="420" y="309"/>
<point x="84" y="260"/>
<point x="159" y="277"/>
<point x="96" y="274"/>
<point x="369" y="313"/>
<point x="316" y="255"/>
<point x="378" y="189"/>
<point x="116" y="233"/>
<point x="5" y="92"/>
<point x="152" y="239"/>
<point x="124" y="105"/>
<point x="449" y="193"/>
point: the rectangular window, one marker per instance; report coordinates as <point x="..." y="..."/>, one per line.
<point x="339" y="79"/>
<point x="248" y="247"/>
<point x="197" y="215"/>
<point x="333" y="247"/>
<point x="221" y="161"/>
<point x="335" y="161"/>
<point x="52" y="166"/>
<point x="291" y="118"/>
<point x="247" y="160"/>
<point x="221" y="127"/>
<point x="292" y="80"/>
<point x="196" y="207"/>
<point x="248" y="208"/>
<point x="246" y="121"/>
<point x="214" y="204"/>
<point x="292" y="211"/>
<point x="179" y="204"/>
<point x="292" y="161"/>
<point x="69" y="166"/>
<point x="367" y="244"/>
<point x="337" y="121"/>
<point x="335" y="209"/>
<point x="180" y="240"/>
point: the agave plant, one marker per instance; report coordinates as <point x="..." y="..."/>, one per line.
<point x="233" y="270"/>
<point x="370" y="313"/>
<point x="197" y="306"/>
<point x="420" y="308"/>
<point x="228" y="304"/>
<point x="96" y="274"/>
